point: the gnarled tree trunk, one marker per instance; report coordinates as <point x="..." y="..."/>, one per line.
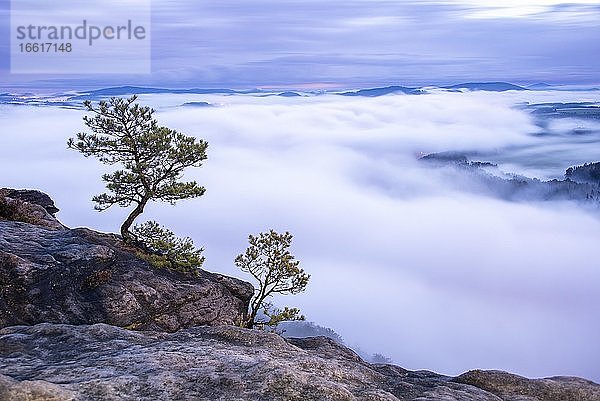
<point x="139" y="209"/>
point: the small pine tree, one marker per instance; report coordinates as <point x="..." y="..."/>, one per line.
<point x="165" y="250"/>
<point x="152" y="158"/>
<point x="276" y="270"/>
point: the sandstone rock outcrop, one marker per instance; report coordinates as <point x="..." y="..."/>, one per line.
<point x="511" y="387"/>
<point x="31" y="196"/>
<point x="28" y="206"/>
<point x="101" y="362"/>
<point x="49" y="273"/>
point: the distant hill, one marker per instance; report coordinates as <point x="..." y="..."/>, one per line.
<point x="137" y="90"/>
<point x="582" y="184"/>
<point x="197" y="104"/>
<point x="289" y="94"/>
<point x="286" y="94"/>
<point x="475" y="86"/>
<point x="539" y="85"/>
<point x="386" y="90"/>
<point x="579" y="110"/>
<point x="487" y="86"/>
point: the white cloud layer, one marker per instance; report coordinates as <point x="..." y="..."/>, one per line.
<point x="402" y="262"/>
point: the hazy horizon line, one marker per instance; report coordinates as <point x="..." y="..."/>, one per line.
<point x="306" y="87"/>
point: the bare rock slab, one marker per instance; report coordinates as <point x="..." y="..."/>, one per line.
<point x="49" y="273"/>
<point x="101" y="362"/>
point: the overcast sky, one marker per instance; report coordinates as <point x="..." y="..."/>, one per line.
<point x="351" y="43"/>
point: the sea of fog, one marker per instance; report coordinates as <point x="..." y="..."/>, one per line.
<point x="403" y="260"/>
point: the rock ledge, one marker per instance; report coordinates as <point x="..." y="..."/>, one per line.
<point x="50" y="273"/>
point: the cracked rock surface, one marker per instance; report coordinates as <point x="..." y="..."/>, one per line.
<point x="101" y="362"/>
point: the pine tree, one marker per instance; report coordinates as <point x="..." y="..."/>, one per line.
<point x="151" y="158"/>
<point x="276" y="270"/>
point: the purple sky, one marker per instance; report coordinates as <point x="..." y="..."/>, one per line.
<point x="407" y="260"/>
<point x="354" y="43"/>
